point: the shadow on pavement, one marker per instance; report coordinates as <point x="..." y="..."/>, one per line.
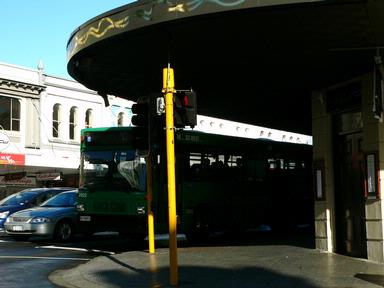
<point x="372" y="278"/>
<point x="116" y="244"/>
<point x="200" y="276"/>
<point x="303" y="239"/>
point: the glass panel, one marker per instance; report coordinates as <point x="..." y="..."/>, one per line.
<point x="5" y="113"/>
<point x="56" y="120"/>
<point x="16" y="125"/>
<point x="88" y="118"/>
<point x="120" y="119"/>
<point x="15" y="117"/>
<point x="72" y="124"/>
<point x="350" y="122"/>
<point x="71" y="131"/>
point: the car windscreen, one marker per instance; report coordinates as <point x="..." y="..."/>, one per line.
<point x="66" y="199"/>
<point x="18" y="198"/>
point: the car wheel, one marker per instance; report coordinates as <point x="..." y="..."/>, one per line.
<point x="63" y="231"/>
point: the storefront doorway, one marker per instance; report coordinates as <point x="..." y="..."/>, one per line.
<point x="349" y="186"/>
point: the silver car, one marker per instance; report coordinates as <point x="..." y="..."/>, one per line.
<point x="55" y="218"/>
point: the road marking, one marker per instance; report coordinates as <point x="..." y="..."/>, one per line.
<point x="76" y="249"/>
<point x="46" y="258"/>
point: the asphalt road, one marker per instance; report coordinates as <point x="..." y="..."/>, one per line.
<point x="28" y="263"/>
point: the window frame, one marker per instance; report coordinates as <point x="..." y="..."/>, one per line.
<point x="73" y="125"/>
<point x="88" y="118"/>
<point x="11" y="114"/>
<point x="56" y="120"/>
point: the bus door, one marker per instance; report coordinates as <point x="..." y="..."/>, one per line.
<point x="349" y="196"/>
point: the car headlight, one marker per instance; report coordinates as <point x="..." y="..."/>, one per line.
<point x="40" y="220"/>
<point x="4" y="214"/>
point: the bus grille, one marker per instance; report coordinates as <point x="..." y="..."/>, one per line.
<point x="105" y="206"/>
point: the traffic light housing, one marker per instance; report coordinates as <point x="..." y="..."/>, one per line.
<point x="140" y="118"/>
<point x="140" y="115"/>
<point x="185" y="111"/>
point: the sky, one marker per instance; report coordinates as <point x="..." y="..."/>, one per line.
<point x="34" y="30"/>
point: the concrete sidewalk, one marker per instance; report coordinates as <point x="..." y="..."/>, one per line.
<point x="266" y="266"/>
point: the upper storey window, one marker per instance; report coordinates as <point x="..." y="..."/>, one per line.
<point x="120" y="119"/>
<point x="73" y="131"/>
<point x="88" y="118"/>
<point x="56" y="120"/>
<point x="9" y="113"/>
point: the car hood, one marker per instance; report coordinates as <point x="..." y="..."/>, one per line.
<point x="12" y="208"/>
<point x="45" y="212"/>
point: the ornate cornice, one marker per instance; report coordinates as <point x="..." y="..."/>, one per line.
<point x="144" y="13"/>
<point x="20" y="88"/>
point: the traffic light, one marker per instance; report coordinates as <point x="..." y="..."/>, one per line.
<point x="185" y="110"/>
<point x="140" y="118"/>
<point x="140" y="114"/>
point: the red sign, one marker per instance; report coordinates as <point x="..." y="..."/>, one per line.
<point x="12" y="159"/>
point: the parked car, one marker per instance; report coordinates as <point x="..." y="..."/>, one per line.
<point x="56" y="218"/>
<point x="26" y="199"/>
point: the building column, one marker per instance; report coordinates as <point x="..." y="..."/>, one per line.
<point x="322" y="151"/>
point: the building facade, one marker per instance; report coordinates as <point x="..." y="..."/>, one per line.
<point x="40" y="121"/>
<point x="348" y="155"/>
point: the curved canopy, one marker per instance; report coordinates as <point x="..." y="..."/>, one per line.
<point x="250" y="61"/>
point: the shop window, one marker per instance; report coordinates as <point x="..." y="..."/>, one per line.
<point x="10" y="113"/>
<point x="56" y="120"/>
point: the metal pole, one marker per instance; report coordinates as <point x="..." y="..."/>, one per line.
<point x="151" y="226"/>
<point x="168" y="89"/>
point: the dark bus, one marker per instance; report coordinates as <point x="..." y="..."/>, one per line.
<point x="223" y="183"/>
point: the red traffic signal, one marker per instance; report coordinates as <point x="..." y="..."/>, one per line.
<point x="185" y="110"/>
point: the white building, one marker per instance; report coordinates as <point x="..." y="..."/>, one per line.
<point x="40" y="121"/>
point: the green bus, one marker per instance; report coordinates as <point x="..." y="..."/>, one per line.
<point x="223" y="183"/>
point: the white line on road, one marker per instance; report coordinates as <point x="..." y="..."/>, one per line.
<point x="47" y="258"/>
<point x="76" y="249"/>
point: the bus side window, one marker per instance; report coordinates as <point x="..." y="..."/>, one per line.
<point x="260" y="170"/>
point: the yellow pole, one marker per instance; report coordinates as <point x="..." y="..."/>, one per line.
<point x="168" y="89"/>
<point x="151" y="226"/>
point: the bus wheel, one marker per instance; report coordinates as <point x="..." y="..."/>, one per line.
<point x="200" y="230"/>
<point x="63" y="231"/>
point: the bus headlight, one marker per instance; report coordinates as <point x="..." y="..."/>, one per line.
<point x="140" y="210"/>
<point x="80" y="208"/>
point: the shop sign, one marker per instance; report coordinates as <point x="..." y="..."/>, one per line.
<point x="12" y="159"/>
<point x="15" y="176"/>
<point x="4" y="141"/>
<point x="48" y="176"/>
<point x="25" y="181"/>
